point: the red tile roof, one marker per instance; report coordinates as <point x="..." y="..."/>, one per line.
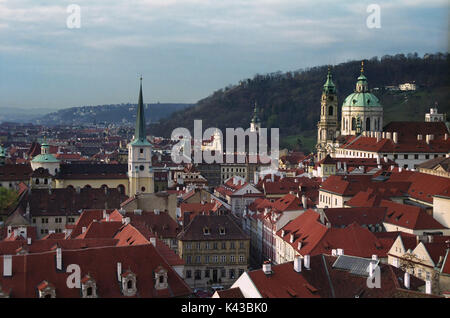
<point x="101" y="264"/>
<point x="409" y="216"/>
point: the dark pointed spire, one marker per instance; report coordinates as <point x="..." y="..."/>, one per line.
<point x="139" y="133"/>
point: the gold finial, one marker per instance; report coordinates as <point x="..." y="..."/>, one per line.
<point x="362" y="67"/>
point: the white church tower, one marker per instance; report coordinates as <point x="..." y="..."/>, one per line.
<point x="140" y="172"/>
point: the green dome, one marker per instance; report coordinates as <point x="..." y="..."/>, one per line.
<point x="363" y="99"/>
<point x="45" y="158"/>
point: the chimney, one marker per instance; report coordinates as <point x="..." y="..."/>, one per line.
<point x="138" y="212"/>
<point x="291" y="238"/>
<point x="299" y="246"/>
<point x="107" y="218"/>
<point x="429" y="138"/>
<point x="428" y="287"/>
<point x="307" y="260"/>
<point x="322" y="216"/>
<point x="104" y="214"/>
<point x="383" y="135"/>
<point x="400" y="169"/>
<point x="430" y="238"/>
<point x="345" y="166"/>
<point x="58" y="258"/>
<point x="419" y="137"/>
<point x="340" y="251"/>
<point x="7" y="265"/>
<point x="406" y="280"/>
<point x="119" y="271"/>
<point x="304" y="202"/>
<point x="378" y="134"/>
<point x="375" y="257"/>
<point x="333" y="252"/>
<point x="297" y="264"/>
<point x="371" y="269"/>
<point x="395" y="137"/>
<point x="83" y="229"/>
<point x="385" y="159"/>
<point x="156" y="211"/>
<point x="388" y="135"/>
<point x="153" y="241"/>
<point x="78" y="190"/>
<point x="267" y="268"/>
<point x="29" y="240"/>
<point x="378" y="160"/>
<point x="283" y="233"/>
<point x="445" y="136"/>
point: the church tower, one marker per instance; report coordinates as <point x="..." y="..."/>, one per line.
<point x="140" y="172"/>
<point x="327" y="128"/>
<point x="255" y="124"/>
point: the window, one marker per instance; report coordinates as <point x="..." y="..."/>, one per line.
<point x="188" y="274"/>
<point x="188" y="259"/>
<point x="188" y="246"/>
<point x="232" y="246"/>
<point x="224" y="245"/>
<point x="198" y="274"/>
<point x="241" y="245"/>
<point x="416" y="156"/>
<point x="232" y="258"/>
<point x="206" y="231"/>
<point x="232" y="275"/>
<point x="215" y="259"/>
<point x="241" y="258"/>
<point x="206" y="273"/>
<point x="198" y="259"/>
<point x="395" y="156"/>
<point x="241" y="271"/>
<point x="427" y="156"/>
<point x="206" y="258"/>
<point x="215" y="245"/>
<point x="198" y="245"/>
<point x="222" y="231"/>
<point x="223" y="273"/>
<point x="143" y="189"/>
<point x="223" y="258"/>
<point x="141" y="150"/>
<point x="141" y="167"/>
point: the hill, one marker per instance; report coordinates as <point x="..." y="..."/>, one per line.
<point x="291" y="100"/>
<point x="121" y="114"/>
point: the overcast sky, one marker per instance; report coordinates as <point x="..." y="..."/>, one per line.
<point x="186" y="49"/>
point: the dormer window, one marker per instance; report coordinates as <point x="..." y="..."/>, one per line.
<point x="206" y="231"/>
<point x="129" y="284"/>
<point x="88" y="287"/>
<point x="222" y="230"/>
<point x="46" y="290"/>
<point x="161" y="278"/>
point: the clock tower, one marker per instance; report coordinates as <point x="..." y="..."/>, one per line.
<point x="140" y="172"/>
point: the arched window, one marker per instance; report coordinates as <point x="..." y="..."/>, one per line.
<point x="121" y="189"/>
<point x="368" y="124"/>
<point x="330" y="111"/>
<point x="353" y="123"/>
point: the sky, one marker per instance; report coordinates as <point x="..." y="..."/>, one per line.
<point x="187" y="49"/>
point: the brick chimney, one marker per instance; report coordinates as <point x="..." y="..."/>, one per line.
<point x="307" y="260"/>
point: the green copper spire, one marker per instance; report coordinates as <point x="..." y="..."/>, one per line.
<point x="139" y="133"/>
<point x="329" y="86"/>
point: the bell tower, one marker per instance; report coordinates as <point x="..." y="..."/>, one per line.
<point x="140" y="172"/>
<point x="327" y="128"/>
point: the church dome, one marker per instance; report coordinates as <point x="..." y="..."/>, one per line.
<point x="361" y="97"/>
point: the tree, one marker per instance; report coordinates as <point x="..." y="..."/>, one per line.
<point x="7" y="198"/>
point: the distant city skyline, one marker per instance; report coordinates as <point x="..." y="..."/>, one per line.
<point x="187" y="49"/>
